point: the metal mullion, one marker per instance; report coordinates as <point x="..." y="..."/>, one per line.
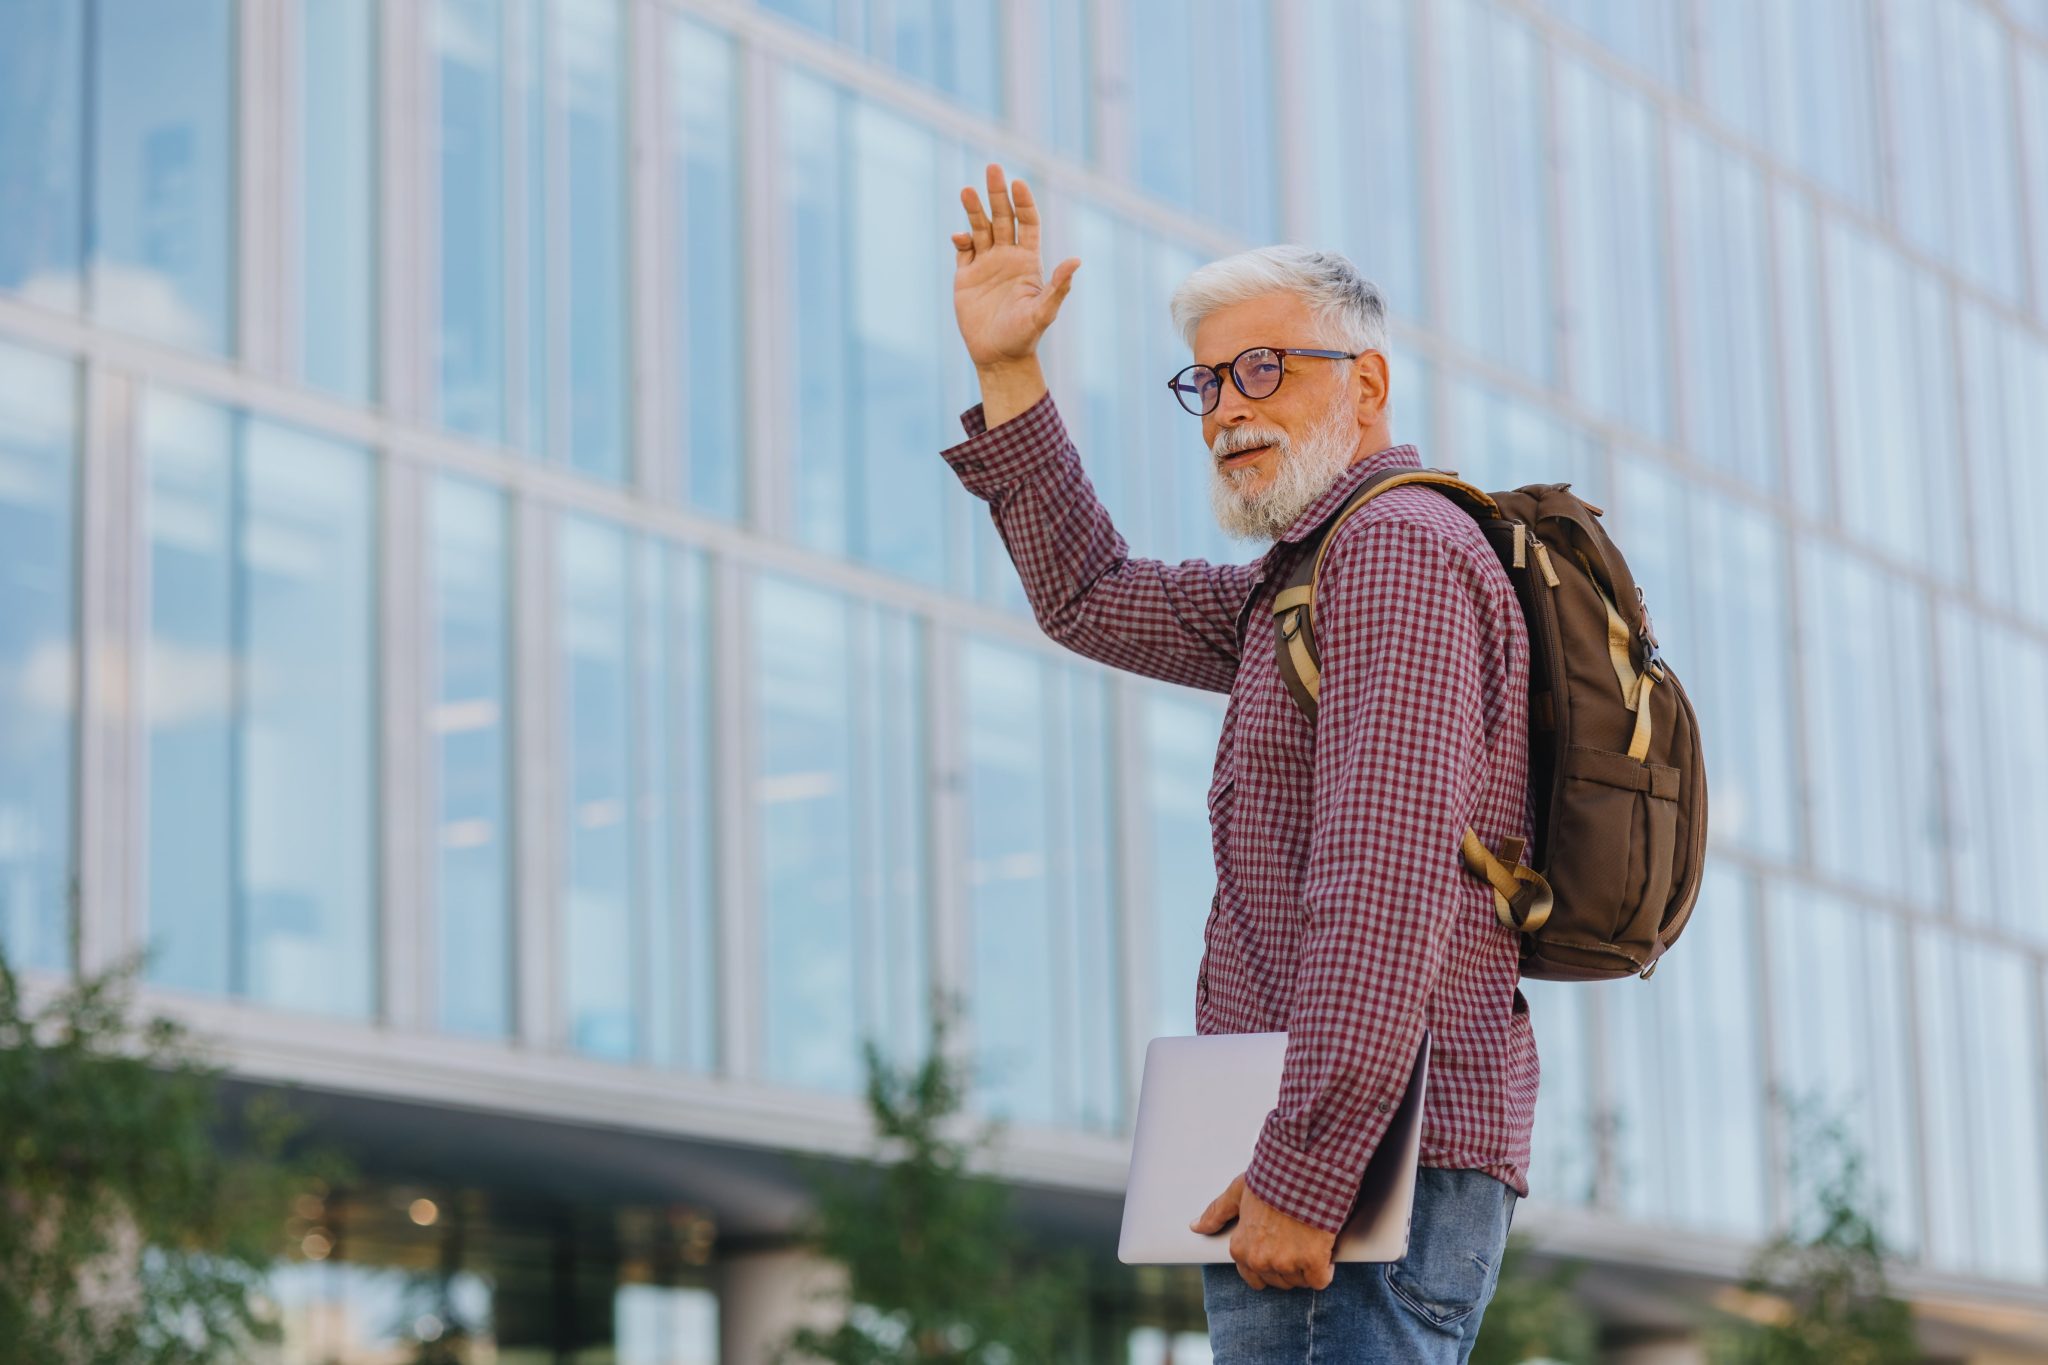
<point x="536" y="772"/>
<point x="1763" y="907"/>
<point x="1056" y="713"/>
<point x="513" y="135"/>
<point x="405" y="945"/>
<point x="864" y="631"/>
<point x="1136" y="928"/>
<point x="556" y="342"/>
<point x="110" y="621"/>
<point x="767" y="300"/>
<point x="408" y="210"/>
<point x="738" y="913"/>
<point x="950" y="829"/>
<point x="260" y="119"/>
<point x="289" y="153"/>
<point x="656" y="335"/>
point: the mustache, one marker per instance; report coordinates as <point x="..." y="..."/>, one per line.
<point x="1238" y="439"/>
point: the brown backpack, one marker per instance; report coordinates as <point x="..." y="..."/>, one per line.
<point x="1617" y="779"/>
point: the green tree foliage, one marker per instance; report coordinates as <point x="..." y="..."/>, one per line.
<point x="130" y="1233"/>
<point x="1535" y="1317"/>
<point x="936" y="1272"/>
<point x="1827" y="1268"/>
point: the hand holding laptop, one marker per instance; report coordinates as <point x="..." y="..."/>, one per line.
<point x="1272" y="1251"/>
<point x="1201" y="1106"/>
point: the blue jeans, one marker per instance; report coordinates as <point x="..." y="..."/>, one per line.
<point x="1421" y="1309"/>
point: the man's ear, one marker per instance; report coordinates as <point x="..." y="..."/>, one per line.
<point x="1369" y="375"/>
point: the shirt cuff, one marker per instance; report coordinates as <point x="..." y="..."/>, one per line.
<point x="990" y="461"/>
<point x="1305" y="1187"/>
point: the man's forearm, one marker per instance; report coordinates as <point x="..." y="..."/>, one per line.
<point x="1009" y="389"/>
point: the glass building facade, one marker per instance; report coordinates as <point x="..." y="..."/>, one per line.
<point x="480" y="603"/>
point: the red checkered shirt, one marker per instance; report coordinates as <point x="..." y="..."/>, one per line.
<point x="1343" y="913"/>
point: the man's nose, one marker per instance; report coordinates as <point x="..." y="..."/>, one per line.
<point x="1232" y="407"/>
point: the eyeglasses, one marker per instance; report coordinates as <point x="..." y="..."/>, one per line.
<point x="1256" y="372"/>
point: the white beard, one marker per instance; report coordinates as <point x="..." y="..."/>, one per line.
<point x="1304" y="474"/>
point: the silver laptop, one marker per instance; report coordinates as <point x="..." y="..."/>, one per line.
<point x="1200" y="1108"/>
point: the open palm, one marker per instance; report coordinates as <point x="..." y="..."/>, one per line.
<point x="1000" y="299"/>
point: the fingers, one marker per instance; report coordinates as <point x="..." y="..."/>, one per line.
<point x="999" y="206"/>
<point x="1221" y="1210"/>
<point x="1027" y="216"/>
<point x="983" y="231"/>
<point x="963" y="247"/>
<point x="1056" y="290"/>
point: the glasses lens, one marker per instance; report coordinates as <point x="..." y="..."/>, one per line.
<point x="1197" y="387"/>
<point x="1258" y="372"/>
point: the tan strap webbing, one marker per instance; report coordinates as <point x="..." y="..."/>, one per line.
<point x="1521" y="897"/>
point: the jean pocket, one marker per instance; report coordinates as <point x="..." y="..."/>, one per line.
<point x="1457" y="1234"/>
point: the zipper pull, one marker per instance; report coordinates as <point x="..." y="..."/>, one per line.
<point x="1543" y="562"/>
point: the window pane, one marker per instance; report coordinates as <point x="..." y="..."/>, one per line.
<point x="1208" y="65"/>
<point x="900" y="303"/>
<point x="814" y="207"/>
<point x="306" y="557"/>
<point x="805" y="789"/>
<point x="1819" y="92"/>
<point x="1709" y="1004"/>
<point x="1739" y="667"/>
<point x="598" y="944"/>
<point x="1876" y="806"/>
<point x="1951" y="131"/>
<point x="469" y="70"/>
<point x="1726" y="352"/>
<point x="1980" y="1069"/>
<point x="1494" y="186"/>
<point x="1039" y="889"/>
<point x="840" y="804"/>
<point x="336" y="168"/>
<point x="1359" y="73"/>
<point x="38" y="655"/>
<point x="1067" y="99"/>
<point x="705" y="189"/>
<point x="189" y="688"/>
<point x="1618" y="313"/>
<point x="42" y="149"/>
<point x="471" y="725"/>
<point x="1728" y="37"/>
<point x="1894" y="384"/>
<point x="1570" y="1127"/>
<point x="1180" y="747"/>
<point x="2005" y="403"/>
<point x="532" y="251"/>
<point x="1645" y="33"/>
<point x="676" y="809"/>
<point x="2034" y="148"/>
<point x="587" y="244"/>
<point x="949" y="44"/>
<point x="1797" y="286"/>
<point x="1503" y="442"/>
<point x="163" y="169"/>
<point x="260" y="673"/>
<point x="1838" y="1008"/>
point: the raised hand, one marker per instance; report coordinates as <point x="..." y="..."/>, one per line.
<point x="1001" y="301"/>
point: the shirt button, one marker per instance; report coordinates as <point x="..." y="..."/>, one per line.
<point x="1384" y="1106"/>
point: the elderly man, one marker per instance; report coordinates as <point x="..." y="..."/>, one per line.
<point x="1343" y="913"/>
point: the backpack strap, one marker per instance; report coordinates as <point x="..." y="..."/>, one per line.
<point x="1521" y="897"/>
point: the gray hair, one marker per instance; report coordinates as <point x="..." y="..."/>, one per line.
<point x="1349" y="309"/>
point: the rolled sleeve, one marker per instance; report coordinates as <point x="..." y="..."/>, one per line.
<point x="1399" y="761"/>
<point x="991" y="462"/>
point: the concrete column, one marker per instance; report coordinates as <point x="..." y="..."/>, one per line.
<point x="769" y="1294"/>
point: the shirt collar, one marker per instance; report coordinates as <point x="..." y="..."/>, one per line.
<point x="1347" y="483"/>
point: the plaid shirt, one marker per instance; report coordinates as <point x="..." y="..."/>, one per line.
<point x="1343" y="912"/>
